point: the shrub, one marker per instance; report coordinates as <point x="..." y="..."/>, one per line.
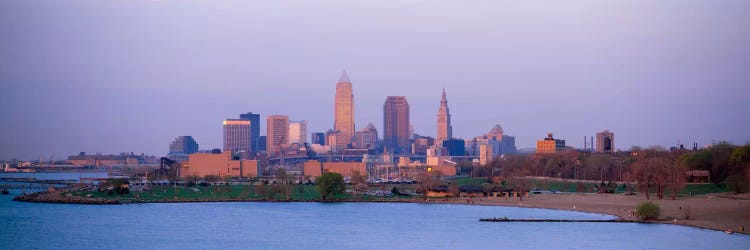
<point x="737" y="183"/>
<point x="648" y="211"/>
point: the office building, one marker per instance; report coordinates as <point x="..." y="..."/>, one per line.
<point x="396" y="124"/>
<point x="277" y="133"/>
<point x="298" y="132"/>
<point x="367" y="137"/>
<point x="254" y="129"/>
<point x="455" y="147"/>
<point x="344" y="108"/>
<point x="181" y="147"/>
<point x="605" y="142"/>
<point x="318" y="138"/>
<point x="237" y="137"/>
<point x="549" y="145"/>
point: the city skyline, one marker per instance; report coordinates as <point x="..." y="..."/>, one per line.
<point x="653" y="77"/>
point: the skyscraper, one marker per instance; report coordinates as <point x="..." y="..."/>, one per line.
<point x="254" y="129"/>
<point x="183" y="144"/>
<point x="237" y="136"/>
<point x="277" y="133"/>
<point x="298" y="132"/>
<point x="181" y="147"/>
<point x="444" y="128"/>
<point x="344" y="108"/>
<point x="396" y="124"/>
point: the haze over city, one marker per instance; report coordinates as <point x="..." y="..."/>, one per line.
<point x="116" y="77"/>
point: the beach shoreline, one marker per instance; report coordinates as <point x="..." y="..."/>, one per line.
<point x="719" y="212"/>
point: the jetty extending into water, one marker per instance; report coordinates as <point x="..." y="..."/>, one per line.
<point x="552" y="220"/>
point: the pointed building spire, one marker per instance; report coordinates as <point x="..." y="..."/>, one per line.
<point x="344" y="77"/>
<point x="444" y="100"/>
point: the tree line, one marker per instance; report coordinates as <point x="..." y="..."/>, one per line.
<point x="653" y="170"/>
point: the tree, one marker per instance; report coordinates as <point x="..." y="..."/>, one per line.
<point x="359" y="181"/>
<point x="424" y="179"/>
<point x="330" y="184"/>
<point x="738" y="183"/>
<point x="284" y="185"/>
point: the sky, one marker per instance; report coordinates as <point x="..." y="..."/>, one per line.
<point x="130" y="76"/>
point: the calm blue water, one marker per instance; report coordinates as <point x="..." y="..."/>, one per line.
<point x="318" y="226"/>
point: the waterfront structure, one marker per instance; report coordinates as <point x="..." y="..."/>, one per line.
<point x="549" y="145"/>
<point x="237" y="136"/>
<point x="181" y="147"/>
<point x="605" y="142"/>
<point x="367" y="137"/>
<point x="221" y="164"/>
<point x="444" y="128"/>
<point x="316" y="168"/>
<point x="318" y="138"/>
<point x="123" y="159"/>
<point x="254" y="129"/>
<point x="277" y="133"/>
<point x="298" y="132"/>
<point x="396" y="124"/>
<point x="344" y="108"/>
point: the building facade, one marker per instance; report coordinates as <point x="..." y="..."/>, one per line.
<point x="298" y="132"/>
<point x="316" y="168"/>
<point x="318" y="138"/>
<point x="605" y="142"/>
<point x="277" y="133"/>
<point x="444" y="128"/>
<point x="367" y="137"/>
<point x="237" y="136"/>
<point x="396" y="124"/>
<point x="344" y="108"/>
<point x="549" y="145"/>
<point x="254" y="129"/>
<point x="221" y="164"/>
<point x="181" y="147"/>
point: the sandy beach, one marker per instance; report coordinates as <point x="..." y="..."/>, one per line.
<point x="712" y="211"/>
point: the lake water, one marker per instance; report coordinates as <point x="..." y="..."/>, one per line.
<point x="257" y="225"/>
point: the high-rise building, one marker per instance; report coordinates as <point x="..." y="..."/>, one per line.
<point x="318" y="138"/>
<point x="261" y="143"/>
<point x="549" y="145"/>
<point x="237" y="136"/>
<point x="605" y="142"/>
<point x="254" y="129"/>
<point x="366" y="138"/>
<point x="277" y="133"/>
<point x="183" y="144"/>
<point x="298" y="132"/>
<point x="344" y="108"/>
<point x="444" y="128"/>
<point x="396" y="124"/>
<point x="181" y="147"/>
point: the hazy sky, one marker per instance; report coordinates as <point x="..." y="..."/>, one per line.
<point x="122" y="76"/>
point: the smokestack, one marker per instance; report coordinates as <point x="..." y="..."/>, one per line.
<point x="585" y="147"/>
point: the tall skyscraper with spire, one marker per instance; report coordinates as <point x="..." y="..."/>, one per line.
<point x="444" y="128"/>
<point x="344" y="108"/>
